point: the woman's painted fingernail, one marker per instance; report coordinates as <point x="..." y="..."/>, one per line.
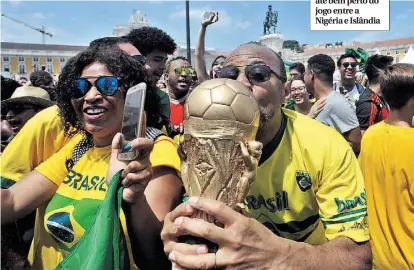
<point x="127" y="147"/>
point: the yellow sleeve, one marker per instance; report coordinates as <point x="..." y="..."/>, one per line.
<point x="341" y="195"/>
<point x="165" y="153"/>
<point x="39" y="139"/>
<point x="54" y="168"/>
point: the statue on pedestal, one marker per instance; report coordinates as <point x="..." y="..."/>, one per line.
<point x="271" y="20"/>
<point x="137" y="18"/>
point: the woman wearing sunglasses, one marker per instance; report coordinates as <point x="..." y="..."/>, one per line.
<point x="300" y="97"/>
<point x="71" y="185"/>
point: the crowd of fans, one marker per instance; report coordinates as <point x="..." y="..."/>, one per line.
<point x="334" y="188"/>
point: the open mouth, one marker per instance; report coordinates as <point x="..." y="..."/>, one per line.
<point x="14" y="124"/>
<point x="94" y="111"/>
<point x="183" y="83"/>
<point x="297" y="98"/>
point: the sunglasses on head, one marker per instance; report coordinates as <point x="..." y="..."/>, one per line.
<point x="141" y="59"/>
<point x="106" y="85"/>
<point x="257" y="73"/>
<point x="347" y="64"/>
<point x="185" y="70"/>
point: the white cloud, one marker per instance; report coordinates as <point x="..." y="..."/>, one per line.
<point x="243" y="24"/>
<point x="38" y="15"/>
<point x="15" y="3"/>
<point x="225" y="20"/>
<point x="195" y="13"/>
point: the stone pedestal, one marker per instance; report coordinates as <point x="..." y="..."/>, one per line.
<point x="273" y="41"/>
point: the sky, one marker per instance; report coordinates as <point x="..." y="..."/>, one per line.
<point x="79" y="22"/>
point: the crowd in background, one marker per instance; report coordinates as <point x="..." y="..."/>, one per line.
<point x="334" y="187"/>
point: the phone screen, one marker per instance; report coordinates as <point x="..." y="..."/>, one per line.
<point x="133" y="112"/>
<point x="206" y="15"/>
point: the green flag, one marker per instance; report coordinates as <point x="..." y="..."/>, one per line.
<point x="361" y="55"/>
<point x="103" y="245"/>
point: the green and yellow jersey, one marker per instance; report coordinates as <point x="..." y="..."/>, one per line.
<point x="40" y="138"/>
<point x="82" y="188"/>
<point x="309" y="186"/>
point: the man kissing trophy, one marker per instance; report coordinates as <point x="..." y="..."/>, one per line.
<point x="219" y="156"/>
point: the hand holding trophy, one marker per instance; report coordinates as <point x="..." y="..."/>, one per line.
<point x="219" y="156"/>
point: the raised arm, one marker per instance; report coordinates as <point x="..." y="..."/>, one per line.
<point x="25" y="196"/>
<point x="200" y="63"/>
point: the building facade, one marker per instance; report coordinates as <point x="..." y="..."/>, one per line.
<point x="23" y="58"/>
<point x="396" y="48"/>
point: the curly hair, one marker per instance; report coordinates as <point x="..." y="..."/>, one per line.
<point x="119" y="64"/>
<point x="7" y="87"/>
<point x="168" y="65"/>
<point x="147" y="39"/>
<point x="107" y="42"/>
<point x="323" y="66"/>
<point x="44" y="80"/>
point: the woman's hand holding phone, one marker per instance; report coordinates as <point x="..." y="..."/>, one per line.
<point x="209" y="17"/>
<point x="138" y="172"/>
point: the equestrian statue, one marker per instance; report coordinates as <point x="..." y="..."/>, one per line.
<point x="271" y="20"/>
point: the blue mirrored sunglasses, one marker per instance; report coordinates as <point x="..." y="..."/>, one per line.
<point x="106" y="85"/>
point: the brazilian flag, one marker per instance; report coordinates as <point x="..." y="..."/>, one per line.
<point x="103" y="246"/>
<point x="361" y="56"/>
<point x="287" y="67"/>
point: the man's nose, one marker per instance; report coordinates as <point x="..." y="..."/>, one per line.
<point x="10" y="114"/>
<point x="243" y="79"/>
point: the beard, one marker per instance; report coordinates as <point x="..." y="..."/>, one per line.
<point x="266" y="116"/>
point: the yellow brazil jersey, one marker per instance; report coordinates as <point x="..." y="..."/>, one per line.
<point x="309" y="186"/>
<point x="387" y="162"/>
<point x="82" y="189"/>
<point x="39" y="139"/>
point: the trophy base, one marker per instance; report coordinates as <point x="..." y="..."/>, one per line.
<point x="194" y="240"/>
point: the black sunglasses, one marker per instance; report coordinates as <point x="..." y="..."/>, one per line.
<point x="257" y="73"/>
<point x="106" y="85"/>
<point x="141" y="59"/>
<point x="347" y="64"/>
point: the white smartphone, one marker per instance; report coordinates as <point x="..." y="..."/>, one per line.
<point x="133" y="123"/>
<point x="207" y="14"/>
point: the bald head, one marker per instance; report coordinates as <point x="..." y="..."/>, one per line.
<point x="268" y="89"/>
<point x="256" y="51"/>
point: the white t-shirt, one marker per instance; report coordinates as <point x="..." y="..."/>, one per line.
<point x="352" y="96"/>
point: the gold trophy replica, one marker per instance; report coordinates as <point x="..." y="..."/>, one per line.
<point x="219" y="156"/>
